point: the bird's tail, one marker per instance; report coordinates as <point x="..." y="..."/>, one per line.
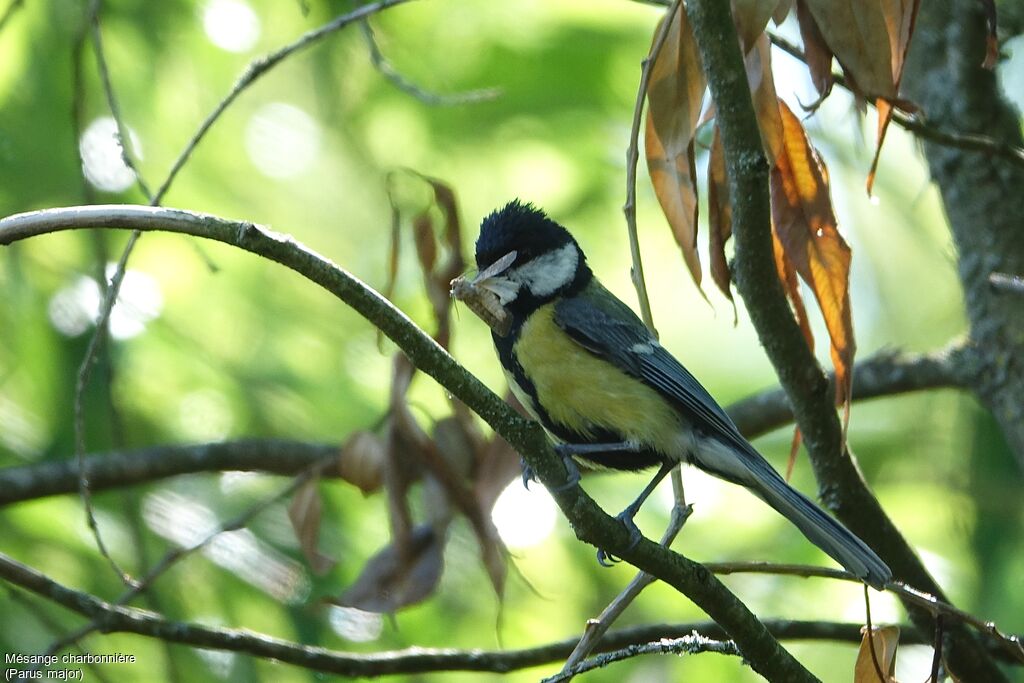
<point x="819" y="527"/>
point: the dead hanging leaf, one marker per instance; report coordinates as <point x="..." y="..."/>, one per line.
<point x="885" y="639"/>
<point x="362" y="461"/>
<point x="794" y="450"/>
<point x="870" y="40"/>
<point x="817" y="53"/>
<point x="790" y="285"/>
<point x="304" y="512"/>
<point x="444" y="195"/>
<point x="392" y="274"/>
<point x="423" y="237"/>
<point x="782" y="11"/>
<point x="437" y="270"/>
<point x="766" y="102"/>
<point x="807" y="230"/>
<point x="719" y="216"/>
<point x="674" y="97"/>
<point x="751" y="16"/>
<point x="398" y="577"/>
<point x="900" y="17"/>
<point x="857" y="34"/>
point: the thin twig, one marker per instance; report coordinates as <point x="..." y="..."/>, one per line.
<point x="596" y="628"/>
<point x="937" y="650"/>
<point x="633" y="158"/>
<point x="1011" y="644"/>
<point x="172" y="557"/>
<point x="123" y="135"/>
<point x="255" y="69"/>
<point x="908" y="122"/>
<point x="262" y="65"/>
<point x="388" y="71"/>
<point x="882" y="678"/>
<point x="81" y="381"/>
<point x="676" y="646"/>
<point x="102" y="331"/>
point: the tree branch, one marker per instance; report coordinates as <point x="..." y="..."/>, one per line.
<point x="841" y="486"/>
<point x="125" y="468"/>
<point x="886" y="374"/>
<point x="415" y="660"/>
<point x="590" y="523"/>
<point x="689" y="644"/>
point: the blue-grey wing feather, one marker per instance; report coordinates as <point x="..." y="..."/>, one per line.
<point x="607" y="327"/>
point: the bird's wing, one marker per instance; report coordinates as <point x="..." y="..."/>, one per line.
<point x="605" y="326"/>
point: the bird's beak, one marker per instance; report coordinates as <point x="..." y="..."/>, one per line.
<point x="491" y="279"/>
<point x="488" y="292"/>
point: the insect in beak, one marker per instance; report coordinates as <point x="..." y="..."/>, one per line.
<point x="487" y="293"/>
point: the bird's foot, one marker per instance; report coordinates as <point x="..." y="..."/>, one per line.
<point x="565" y="453"/>
<point x="625" y="518"/>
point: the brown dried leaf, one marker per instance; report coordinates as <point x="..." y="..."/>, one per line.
<point x="782" y="11"/>
<point x="719" y="215"/>
<point x="398" y="577"/>
<point x="751" y="16"/>
<point x="766" y="102"/>
<point x="674" y="95"/>
<point x="886" y="640"/>
<point x="794" y="450"/>
<point x="857" y="33"/>
<point x="790" y="285"/>
<point x="445" y="198"/>
<point x="884" y="110"/>
<point x="808" y="233"/>
<point x="817" y="53"/>
<point x="900" y="17"/>
<point x="423" y="237"/>
<point x="392" y="274"/>
<point x="362" y="461"/>
<point x="304" y="512"/>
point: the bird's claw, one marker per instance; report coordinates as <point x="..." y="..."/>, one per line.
<point x="625" y="518"/>
<point x="566" y="455"/>
<point x="528" y="474"/>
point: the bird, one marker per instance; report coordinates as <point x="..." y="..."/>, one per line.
<point x="605" y="390"/>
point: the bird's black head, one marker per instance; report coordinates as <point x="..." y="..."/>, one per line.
<point x="547" y="260"/>
<point x="518" y="227"/>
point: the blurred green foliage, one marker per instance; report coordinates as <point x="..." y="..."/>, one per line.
<point x="240" y="347"/>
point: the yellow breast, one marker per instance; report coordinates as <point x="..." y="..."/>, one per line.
<point x="585" y="393"/>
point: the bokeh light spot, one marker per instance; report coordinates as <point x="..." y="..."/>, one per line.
<point x="76" y="307"/>
<point x="282" y="140"/>
<point x="102" y="159"/>
<point x="355" y="624"/>
<point x="524" y="517"/>
<point x="231" y="25"/>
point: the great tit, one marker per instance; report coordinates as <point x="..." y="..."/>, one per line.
<point x="586" y="367"/>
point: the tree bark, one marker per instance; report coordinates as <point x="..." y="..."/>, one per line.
<point x="982" y="195"/>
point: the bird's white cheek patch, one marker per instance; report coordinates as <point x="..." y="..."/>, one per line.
<point x="546" y="274"/>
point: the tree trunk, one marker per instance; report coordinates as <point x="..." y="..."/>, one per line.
<point x="983" y="197"/>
